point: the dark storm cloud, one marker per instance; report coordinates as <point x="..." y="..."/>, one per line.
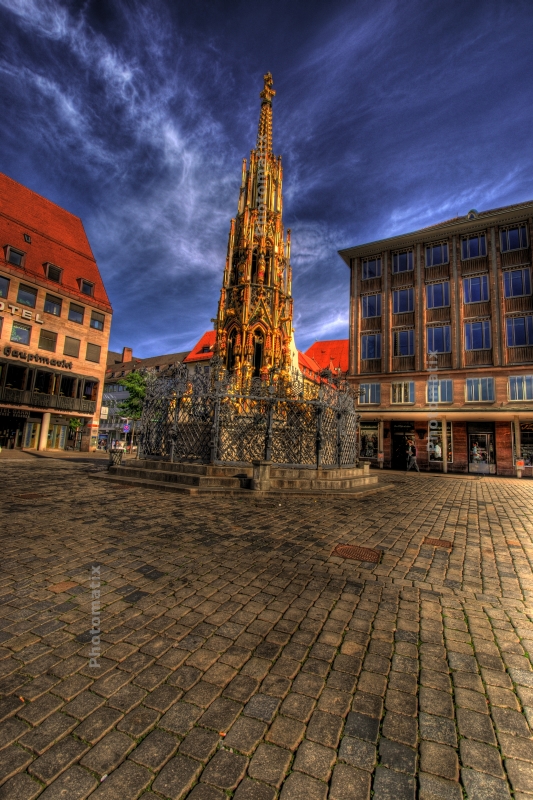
<point x="135" y="116"/>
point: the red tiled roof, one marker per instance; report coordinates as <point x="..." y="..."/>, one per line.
<point x="207" y="340"/>
<point x="57" y="236"/>
<point x="330" y="354"/>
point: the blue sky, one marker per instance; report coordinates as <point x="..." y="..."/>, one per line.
<point x="135" y="116"/>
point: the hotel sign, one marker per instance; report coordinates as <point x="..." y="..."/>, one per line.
<point x="25" y="313"/>
<point x="36" y="358"/>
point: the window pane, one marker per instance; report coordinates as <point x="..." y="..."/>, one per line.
<point x="72" y="347"/>
<point x="27" y="296"/>
<point x="48" y="340"/>
<point x="75" y="313"/>
<point x="93" y="352"/>
<point x="54" y="273"/>
<point x="15" y="257"/>
<point x="4" y="286"/>
<point x="473" y="247"/>
<point x="519" y="331"/>
<point x="482" y="246"/>
<point x="52" y="305"/>
<point x="464" y="248"/>
<point x="20" y="333"/>
<point x="87" y="288"/>
<point x="513" y="239"/>
<point x="97" y="321"/>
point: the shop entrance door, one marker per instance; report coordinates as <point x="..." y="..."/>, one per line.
<point x="481" y="456"/>
<point x="401" y="432"/>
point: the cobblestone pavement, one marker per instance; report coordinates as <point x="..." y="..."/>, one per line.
<point x="239" y="656"/>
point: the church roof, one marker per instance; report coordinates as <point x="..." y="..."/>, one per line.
<point x="203" y="349"/>
<point x="330" y="354"/>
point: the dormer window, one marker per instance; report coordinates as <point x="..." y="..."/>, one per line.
<point x="205" y="349"/>
<point x="14" y="256"/>
<point x="53" y="273"/>
<point x="86" y="287"/>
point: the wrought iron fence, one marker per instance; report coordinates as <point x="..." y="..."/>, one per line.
<point x="205" y="418"/>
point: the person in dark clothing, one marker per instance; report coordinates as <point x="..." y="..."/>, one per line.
<point x="411" y="455"/>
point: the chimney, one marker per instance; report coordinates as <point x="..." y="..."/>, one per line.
<point x="127" y="354"/>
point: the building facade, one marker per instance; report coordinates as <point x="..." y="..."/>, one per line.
<point x="116" y="429"/>
<point x="441" y="343"/>
<point x="55" y="319"/>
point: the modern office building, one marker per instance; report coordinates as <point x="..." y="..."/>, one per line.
<point x="55" y="319"/>
<point x="441" y="343"/>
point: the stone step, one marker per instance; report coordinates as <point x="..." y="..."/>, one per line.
<point x="170" y="476"/>
<point x="177" y="488"/>
<point x="192" y="468"/>
<point x="316" y="474"/>
<point x="300" y="483"/>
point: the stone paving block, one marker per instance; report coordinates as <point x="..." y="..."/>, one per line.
<point x="125" y="783"/>
<point x="220" y="715"/>
<point x="202" y="791"/>
<point x="516" y="747"/>
<point x="473" y="700"/>
<point x="430" y="787"/>
<point x="349" y="783"/>
<point x="262" y="707"/>
<point x="155" y="750"/>
<point x="400" y="728"/>
<point x="108" y="753"/>
<point x="391" y="785"/>
<point x="225" y="770"/>
<point x="509" y="721"/>
<point x="358" y="753"/>
<point x="397" y="756"/>
<point x="200" y="744"/>
<point x="439" y="759"/>
<point x="245" y="735"/>
<point x="361" y="726"/>
<point x="481" y="757"/>
<point x="98" y="724"/>
<point x="303" y="787"/>
<point x="436" y="702"/>
<point x="369" y="704"/>
<point x="269" y="764"/>
<point x="21" y="787"/>
<point x="13" y="759"/>
<point x="520" y="774"/>
<point x="437" y="729"/>
<point x="57" y="759"/>
<point x="241" y="688"/>
<point x="126" y="698"/>
<point x="180" y="718"/>
<point x="325" y="728"/>
<point x="286" y="732"/>
<point x="138" y="722"/>
<point x="480" y="786"/>
<point x="251" y="790"/>
<point x="475" y="726"/>
<point x="177" y="777"/>
<point x="36" y="712"/>
<point x="83" y="705"/>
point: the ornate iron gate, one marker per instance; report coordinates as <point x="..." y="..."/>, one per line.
<point x="204" y="418"/>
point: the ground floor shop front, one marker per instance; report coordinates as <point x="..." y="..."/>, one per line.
<point x="32" y="430"/>
<point x="478" y="446"/>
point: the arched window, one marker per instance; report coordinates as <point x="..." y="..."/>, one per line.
<point x="258" y="352"/>
<point x="230" y="351"/>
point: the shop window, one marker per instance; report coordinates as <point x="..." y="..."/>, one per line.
<point x="369" y="440"/>
<point x="436" y="254"/>
<point x="474" y="246"/>
<point x="371" y="305"/>
<point x="436" y="444"/>
<point x="21" y="334"/>
<point x="75" y="313"/>
<point x="479" y="390"/>
<point x="514" y="238"/>
<point x="43" y="382"/>
<point x="27" y="296"/>
<point x="517" y="283"/>
<point x="476" y="289"/>
<point x="521" y="387"/>
<point x="369" y="393"/>
<point x="519" y="331"/>
<point x="403" y="392"/>
<point x="438" y="295"/>
<point x="71" y="347"/>
<point x="402" y="301"/>
<point x="4" y="286"/>
<point x="90" y="390"/>
<point x="15" y="257"/>
<point x="477" y="335"/>
<point x="97" y="321"/>
<point x="67" y="386"/>
<point x="371" y="346"/>
<point x="53" y="273"/>
<point x="404" y="343"/>
<point x="48" y="340"/>
<point x="526" y="442"/>
<point x="16" y="377"/>
<point x="93" y="353"/>
<point x="52" y="305"/>
<point x="439" y="339"/>
<point x="440" y="390"/>
<point x="371" y="268"/>
<point x="402" y="262"/>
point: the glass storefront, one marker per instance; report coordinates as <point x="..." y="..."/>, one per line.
<point x="369" y="440"/>
<point x="31" y="435"/>
<point x="526" y="443"/>
<point x="481" y="448"/>
<point x="435" y="443"/>
<point x="57" y="435"/>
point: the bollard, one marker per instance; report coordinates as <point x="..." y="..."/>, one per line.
<point x="261" y="476"/>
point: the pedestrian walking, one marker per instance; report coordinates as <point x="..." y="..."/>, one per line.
<point x="411" y="455"/>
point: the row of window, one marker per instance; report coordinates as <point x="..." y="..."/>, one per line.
<point x="21" y="334"/>
<point x="514" y="238"/>
<point x="27" y="296"/>
<point x="520" y="387"/>
<point x="519" y="333"/>
<point x="52" y="271"/>
<point x="516" y="283"/>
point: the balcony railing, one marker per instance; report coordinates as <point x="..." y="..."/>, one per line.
<point x="520" y="355"/>
<point x="439" y="271"/>
<point x="371" y="285"/>
<point x="402" y="278"/>
<point x="515" y="258"/>
<point x="438" y="314"/>
<point x="519" y="303"/>
<point x="371" y="324"/>
<point x="407" y="318"/>
<point x="477" y="357"/>
<point x="476" y="309"/>
<point x="46" y="401"/>
<point x="472" y="265"/>
<point x="371" y="365"/>
<point x="403" y="363"/>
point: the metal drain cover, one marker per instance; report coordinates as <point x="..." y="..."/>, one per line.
<point x="357" y="553"/>
<point x="438" y="542"/>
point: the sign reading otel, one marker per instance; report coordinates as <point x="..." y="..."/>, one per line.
<point x="29" y="357"/>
